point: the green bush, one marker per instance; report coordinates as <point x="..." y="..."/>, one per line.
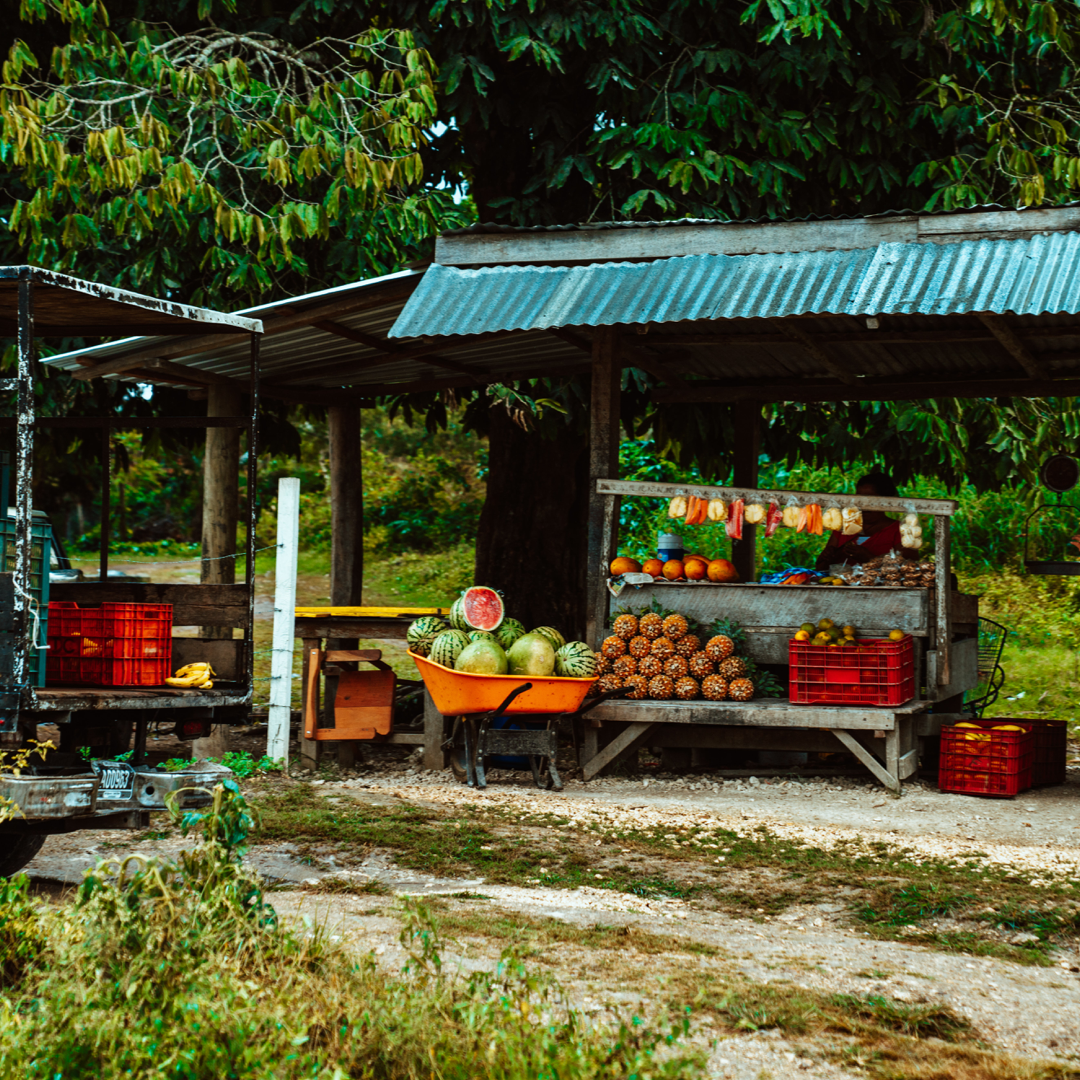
<point x="183" y="971"/>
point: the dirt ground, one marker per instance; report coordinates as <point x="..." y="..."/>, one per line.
<point x="635" y="951"/>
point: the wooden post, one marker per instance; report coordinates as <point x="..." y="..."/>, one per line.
<point x="603" y="462"/>
<point x="310" y="749"/>
<point x="346" y="534"/>
<point x="281" y="653"/>
<point x="747" y="451"/>
<point x="221" y="495"/>
<point x="943" y="598"/>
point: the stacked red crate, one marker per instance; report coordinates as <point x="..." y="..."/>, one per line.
<point x="109" y="645"/>
<point x="872" y="672"/>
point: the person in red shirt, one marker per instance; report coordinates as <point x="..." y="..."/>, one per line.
<point x="880" y="533"/>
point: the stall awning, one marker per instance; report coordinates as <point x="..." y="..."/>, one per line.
<point x="1031" y="276"/>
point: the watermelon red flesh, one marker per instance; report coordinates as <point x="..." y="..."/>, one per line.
<point x="483" y="608"/>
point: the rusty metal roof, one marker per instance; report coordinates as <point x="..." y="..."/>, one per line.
<point x="65" y="306"/>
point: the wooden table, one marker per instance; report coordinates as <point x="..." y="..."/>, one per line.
<point x="314" y="626"/>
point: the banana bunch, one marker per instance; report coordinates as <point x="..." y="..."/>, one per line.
<point x="194" y="676"/>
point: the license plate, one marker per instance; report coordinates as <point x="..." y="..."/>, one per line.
<point x="117" y="779"/>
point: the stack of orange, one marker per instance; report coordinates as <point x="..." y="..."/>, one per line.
<point x="690" y="568"/>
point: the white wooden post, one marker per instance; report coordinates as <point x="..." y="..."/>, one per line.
<point x="281" y="653"/>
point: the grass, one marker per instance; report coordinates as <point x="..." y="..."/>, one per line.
<point x="183" y="971"/>
<point x="890" y="892"/>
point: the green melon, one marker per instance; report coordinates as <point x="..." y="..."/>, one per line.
<point x="482" y="635"/>
<point x="575" y="660"/>
<point x="532" y="654"/>
<point x="446" y="648"/>
<point x="553" y="635"/>
<point x="482" y="657"/>
<point x="509" y="632"/>
<point x="456" y="618"/>
<point x="422" y="632"/>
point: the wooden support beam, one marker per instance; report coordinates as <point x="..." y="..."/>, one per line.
<point x="632" y="735"/>
<point x="603" y="464"/>
<point x="635" y="355"/>
<point x="943" y="592"/>
<point x="745" y="475"/>
<point x="347" y="332"/>
<point x="1005" y="334"/>
<point x="816" y="351"/>
<point x="346" y="508"/>
<point x="869" y="390"/>
<point x="868" y="759"/>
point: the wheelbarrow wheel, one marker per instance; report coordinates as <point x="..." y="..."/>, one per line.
<point x="457" y="764"/>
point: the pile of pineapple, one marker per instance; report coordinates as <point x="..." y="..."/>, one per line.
<point x="658" y="657"/>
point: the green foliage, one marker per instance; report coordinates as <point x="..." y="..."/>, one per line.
<point x="181" y="970"/>
<point x="244" y="765"/>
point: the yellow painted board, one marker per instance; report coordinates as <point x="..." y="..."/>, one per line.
<point x="368" y="612"/>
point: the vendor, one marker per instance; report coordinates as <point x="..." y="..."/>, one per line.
<point x="880" y="533"/>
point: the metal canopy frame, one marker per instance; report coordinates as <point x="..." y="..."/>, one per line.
<point x="76" y="308"/>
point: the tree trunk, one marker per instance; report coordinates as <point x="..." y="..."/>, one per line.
<point x="532" y="539"/>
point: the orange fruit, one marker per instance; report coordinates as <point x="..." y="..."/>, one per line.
<point x="722" y="570"/>
<point x="695" y="569"/>
<point x="625" y="565"/>
<point x="673" y="569"/>
<point x="652" y="566"/>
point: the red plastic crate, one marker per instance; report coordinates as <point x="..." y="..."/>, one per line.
<point x="109" y="645"/>
<point x="998" y="766"/>
<point x="873" y="672"/>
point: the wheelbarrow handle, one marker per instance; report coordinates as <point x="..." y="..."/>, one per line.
<point x="509" y="698"/>
<point x="590" y="703"/>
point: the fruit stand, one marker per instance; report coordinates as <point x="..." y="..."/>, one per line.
<point x="879" y="721"/>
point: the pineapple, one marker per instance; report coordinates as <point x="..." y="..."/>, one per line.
<point x="639" y="646"/>
<point x="676" y="667"/>
<point x="675" y="627"/>
<point x="624" y="666"/>
<point x="732" y="668"/>
<point x="613" y="647"/>
<point x="663" y="648"/>
<point x="701" y="665"/>
<point x="603" y="664"/>
<point x="640" y="686"/>
<point x="651" y="625"/>
<point x="686" y="689"/>
<point x="608" y="682"/>
<point x="661" y="687"/>
<point x="688" y="645"/>
<point x="720" y="647"/>
<point x="714" y="687"/>
<point x="625" y="626"/>
<point x="740" y="689"/>
<point x="650" y="666"/>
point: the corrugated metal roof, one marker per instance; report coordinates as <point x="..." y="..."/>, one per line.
<point x="1026" y="276"/>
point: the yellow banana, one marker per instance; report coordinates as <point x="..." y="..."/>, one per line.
<point x="202" y="667"/>
<point x="187" y="680"/>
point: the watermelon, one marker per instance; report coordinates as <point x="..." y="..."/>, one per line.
<point x="446" y="648"/>
<point x="456" y="618"/>
<point x="482" y="608"/>
<point x="532" y="654"/>
<point x="422" y="632"/>
<point x="575" y="660"/>
<point x="482" y="658"/>
<point x="509" y="632"/>
<point x="482" y="635"/>
<point x="553" y="635"/>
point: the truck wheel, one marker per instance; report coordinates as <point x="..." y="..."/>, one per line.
<point x="17" y="849"/>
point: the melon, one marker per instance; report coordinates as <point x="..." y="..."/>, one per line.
<point x="422" y="632"/>
<point x="446" y="648"/>
<point x="456" y="618"/>
<point x="482" y="635"/>
<point x="575" y="660"/>
<point x="482" y="657"/>
<point x="482" y="608"/>
<point x="553" y="635"/>
<point x="509" y="632"/>
<point x="532" y="654"/>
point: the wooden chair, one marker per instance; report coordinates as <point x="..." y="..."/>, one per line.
<point x="363" y="705"/>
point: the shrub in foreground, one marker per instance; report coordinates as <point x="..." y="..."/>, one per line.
<point x="182" y="970"/>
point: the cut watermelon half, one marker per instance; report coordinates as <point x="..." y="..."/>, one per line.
<point x="482" y="607"/>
